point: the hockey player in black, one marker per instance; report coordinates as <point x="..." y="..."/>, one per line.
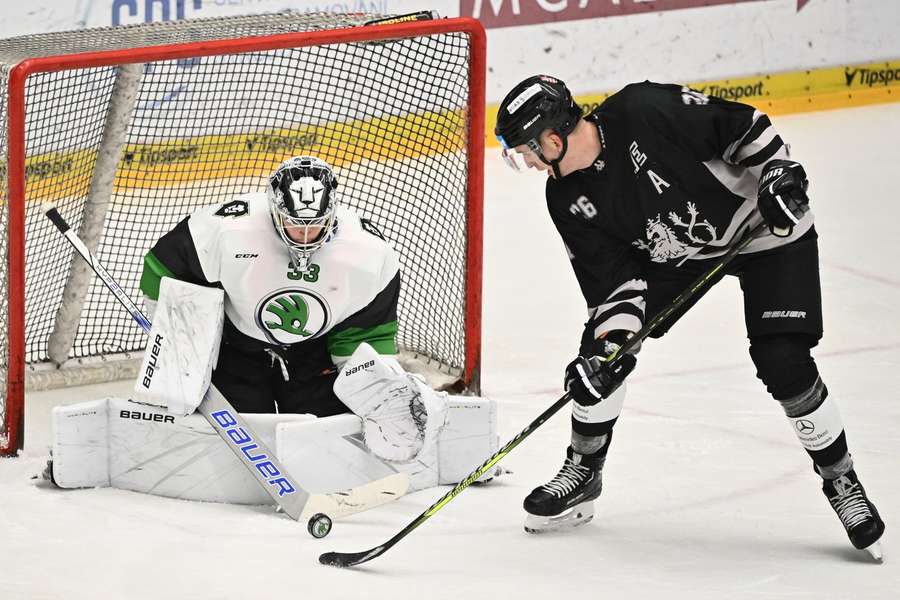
<point x="645" y="190"/>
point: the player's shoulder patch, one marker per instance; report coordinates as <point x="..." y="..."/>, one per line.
<point x="369" y="226"/>
<point x="235" y="208"/>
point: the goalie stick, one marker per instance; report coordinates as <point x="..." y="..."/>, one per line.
<point x="253" y="453"/>
<point x="350" y="559"/>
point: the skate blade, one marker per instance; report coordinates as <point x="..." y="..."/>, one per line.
<point x="875" y="552"/>
<point x="575" y="516"/>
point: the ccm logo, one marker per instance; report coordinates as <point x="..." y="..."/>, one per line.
<point x="357" y="368"/>
<point x="142" y="416"/>
<point x="154" y="360"/>
<point x="250" y="449"/>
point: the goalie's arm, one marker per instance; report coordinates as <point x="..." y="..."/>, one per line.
<point x="174" y="255"/>
<point x="376" y="325"/>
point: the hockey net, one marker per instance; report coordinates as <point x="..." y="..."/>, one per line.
<point x="127" y="130"/>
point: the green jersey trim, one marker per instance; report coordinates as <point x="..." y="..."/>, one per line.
<point x="153" y="273"/>
<point x="383" y="338"/>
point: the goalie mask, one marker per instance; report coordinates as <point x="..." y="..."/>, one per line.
<point x="303" y="201"/>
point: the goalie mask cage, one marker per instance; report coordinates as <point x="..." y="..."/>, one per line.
<point x="128" y="130"/>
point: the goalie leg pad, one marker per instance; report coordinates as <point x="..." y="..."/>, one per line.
<point x="127" y="445"/>
<point x="402" y="416"/>
<point x="468" y="438"/>
<point x="183" y="346"/>
<point x="80" y="449"/>
<point x="330" y="453"/>
<point x="119" y="443"/>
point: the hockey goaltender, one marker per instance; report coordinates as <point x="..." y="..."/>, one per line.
<point x="287" y="301"/>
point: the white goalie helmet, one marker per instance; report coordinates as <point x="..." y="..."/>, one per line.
<point x="303" y="201"/>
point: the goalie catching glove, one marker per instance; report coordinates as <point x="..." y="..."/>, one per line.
<point x="402" y="416"/>
<point x="590" y="379"/>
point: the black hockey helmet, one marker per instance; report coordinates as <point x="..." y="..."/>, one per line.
<point x="538" y="103"/>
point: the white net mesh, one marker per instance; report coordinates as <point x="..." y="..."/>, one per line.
<point x="392" y="118"/>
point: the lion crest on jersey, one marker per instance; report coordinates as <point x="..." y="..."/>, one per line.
<point x="663" y="243"/>
<point x="291" y="316"/>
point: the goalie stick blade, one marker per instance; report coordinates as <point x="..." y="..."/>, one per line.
<point x="358" y="499"/>
<point x="351" y="559"/>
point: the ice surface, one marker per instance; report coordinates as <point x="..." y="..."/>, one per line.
<point x="708" y="494"/>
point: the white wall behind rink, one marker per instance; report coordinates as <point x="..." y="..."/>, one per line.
<point x="592" y="55"/>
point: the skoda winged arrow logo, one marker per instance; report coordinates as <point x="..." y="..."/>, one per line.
<point x="292" y="312"/>
<point x="289" y="316"/>
<point x="805" y="426"/>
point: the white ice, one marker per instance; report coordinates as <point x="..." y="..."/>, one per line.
<point x="707" y="495"/>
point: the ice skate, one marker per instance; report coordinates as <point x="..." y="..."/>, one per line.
<point x="856" y="512"/>
<point x="567" y="500"/>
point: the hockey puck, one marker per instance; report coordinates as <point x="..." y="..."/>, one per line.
<point x="319" y="525"/>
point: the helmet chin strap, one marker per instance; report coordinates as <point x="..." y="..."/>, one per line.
<point x="554" y="164"/>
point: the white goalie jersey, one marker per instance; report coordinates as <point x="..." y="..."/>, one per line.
<point x="234" y="246"/>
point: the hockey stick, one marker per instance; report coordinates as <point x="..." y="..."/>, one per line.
<point x="350" y="559"/>
<point x="253" y="453"/>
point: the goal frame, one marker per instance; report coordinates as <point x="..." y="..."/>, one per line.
<point x="16" y="108"/>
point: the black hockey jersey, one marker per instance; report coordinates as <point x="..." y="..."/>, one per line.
<point x="676" y="180"/>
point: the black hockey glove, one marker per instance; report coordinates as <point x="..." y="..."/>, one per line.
<point x="590" y="379"/>
<point x="782" y="196"/>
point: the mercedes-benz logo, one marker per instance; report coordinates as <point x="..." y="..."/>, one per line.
<point x="805" y="426"/>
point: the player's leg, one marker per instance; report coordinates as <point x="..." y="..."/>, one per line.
<point x="313" y="395"/>
<point x="306" y="382"/>
<point x="783" y="310"/>
<point x="567" y="499"/>
<point x="245" y="376"/>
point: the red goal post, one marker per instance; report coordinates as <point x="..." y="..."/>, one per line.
<point x="397" y="108"/>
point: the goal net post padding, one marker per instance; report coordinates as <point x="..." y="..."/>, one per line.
<point x="128" y="130"/>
